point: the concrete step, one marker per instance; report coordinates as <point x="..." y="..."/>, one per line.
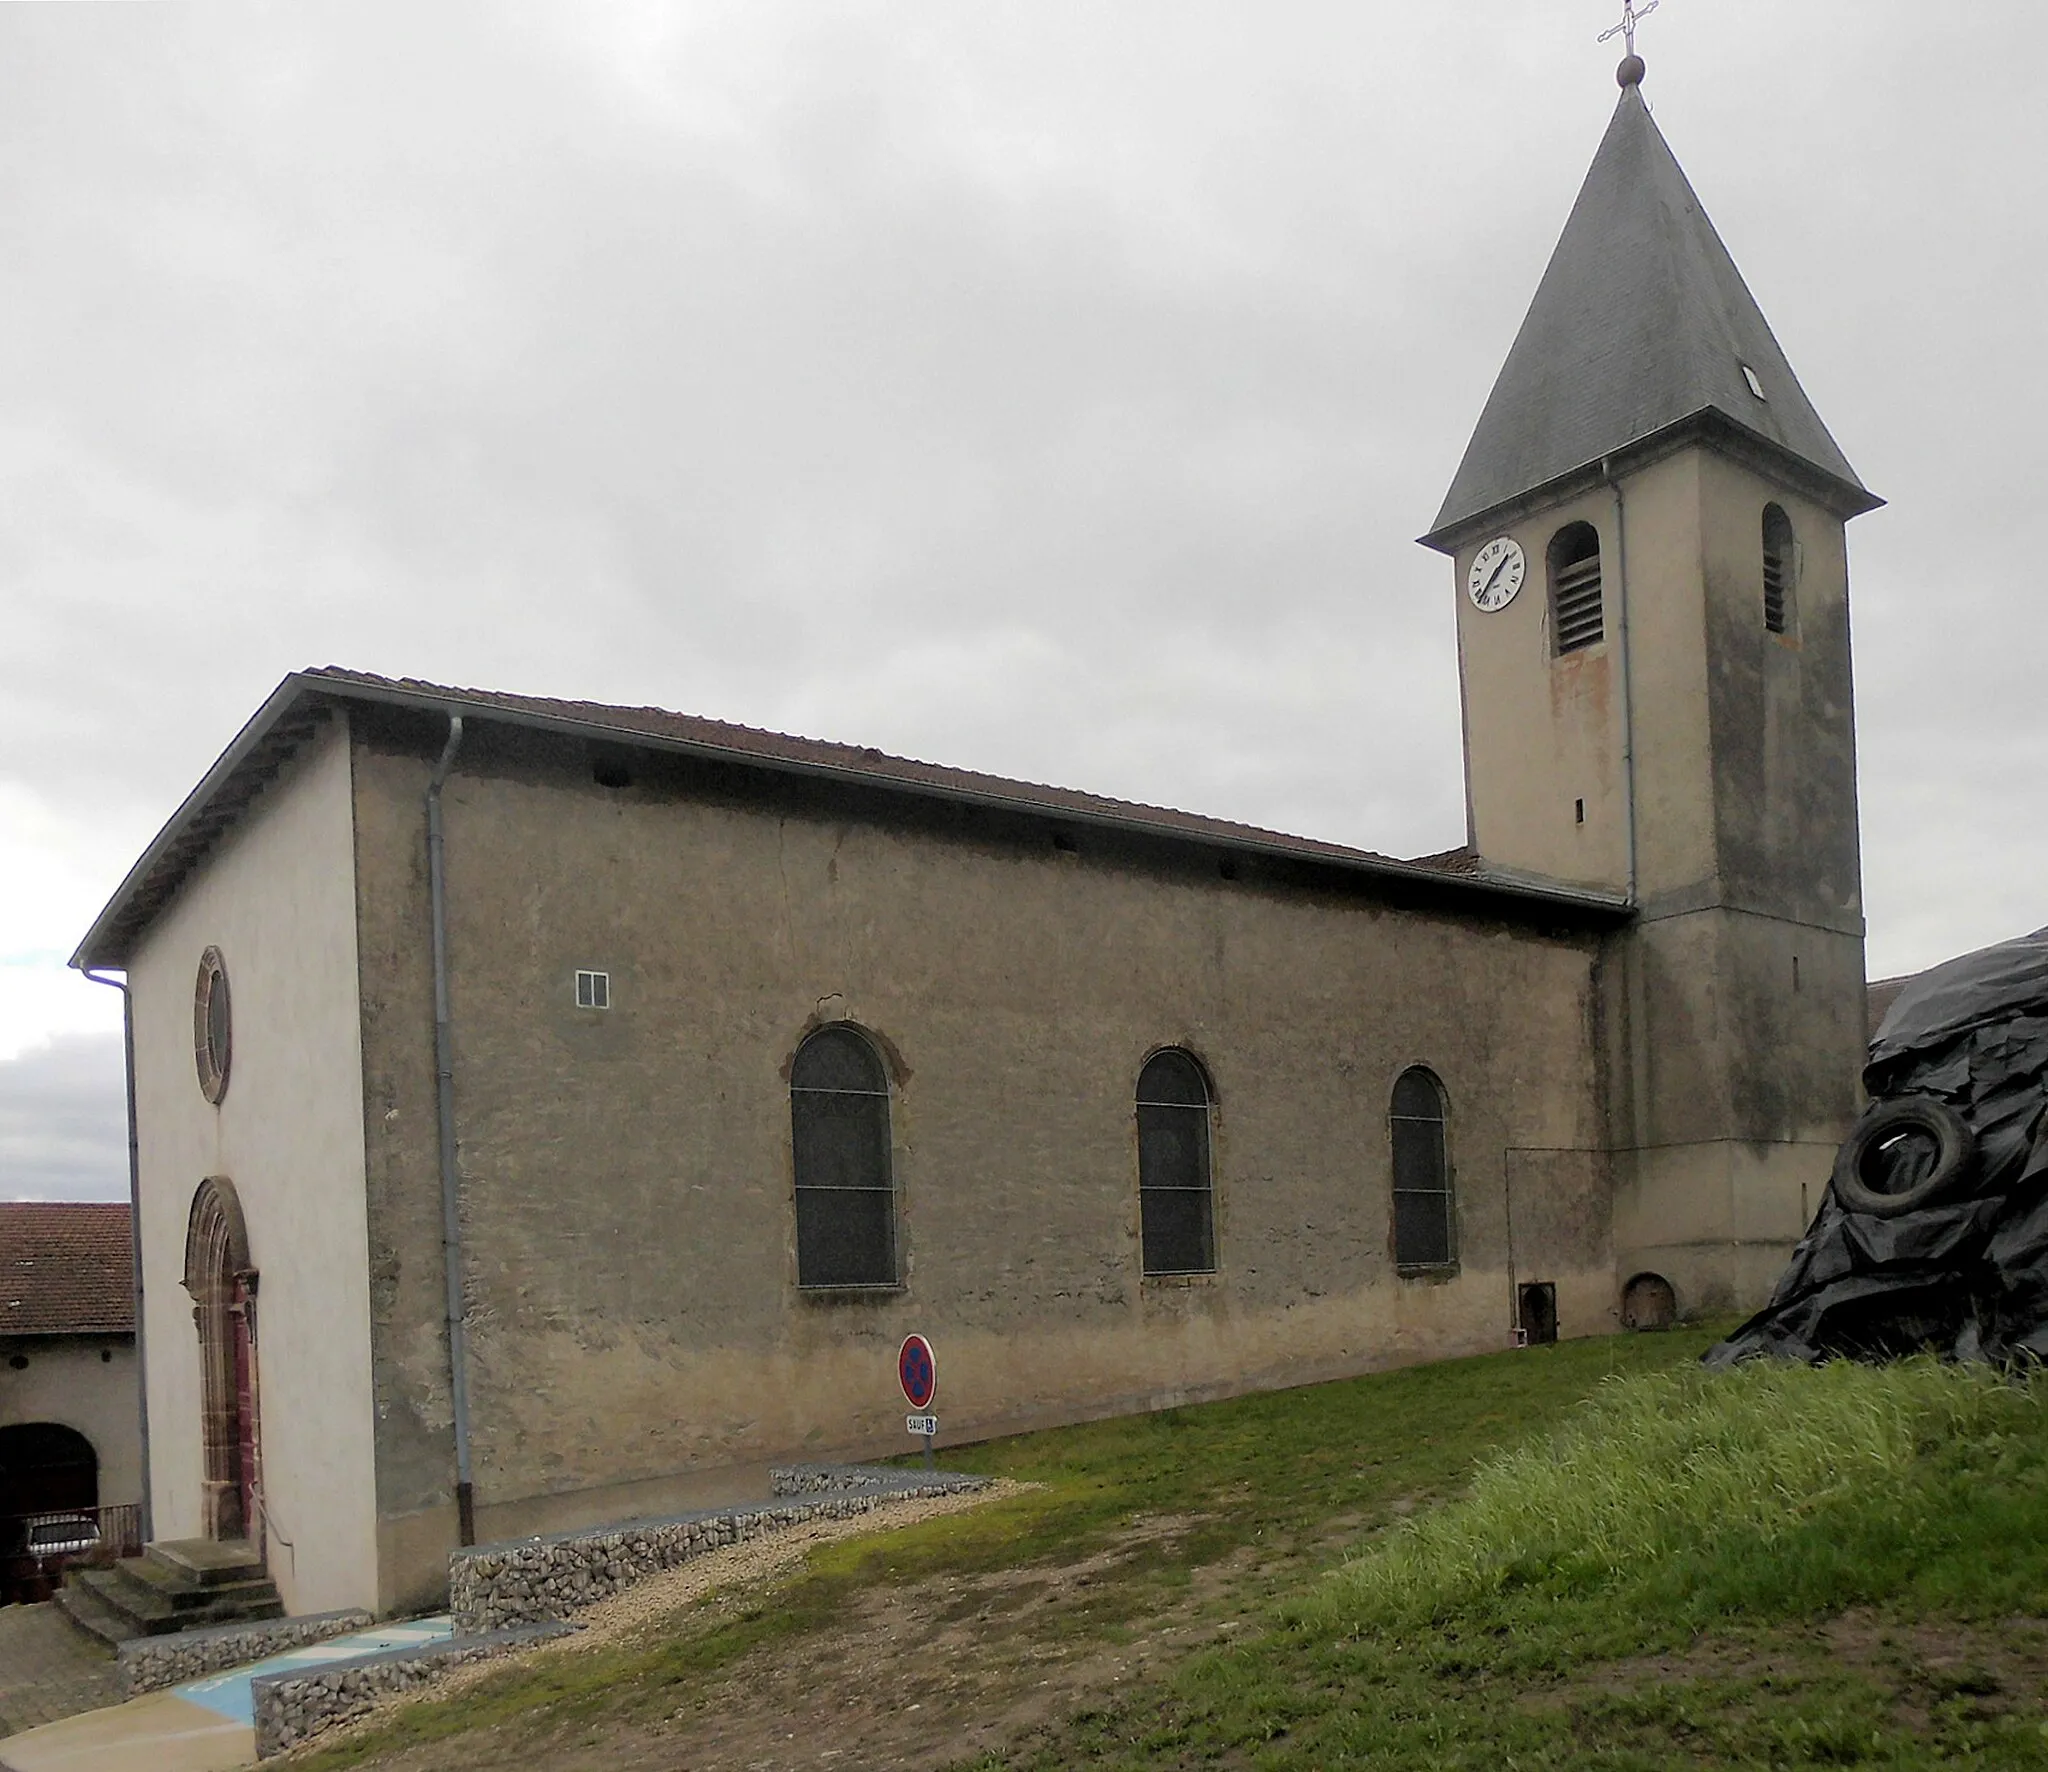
<point x="206" y="1562"/>
<point x="83" y="1606"/>
<point x="150" y="1579"/>
<point x="153" y="1596"/>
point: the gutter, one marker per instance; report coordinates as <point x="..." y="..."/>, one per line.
<point x="444" y="1117"/>
<point x="1628" y="697"/>
<point x="134" y="1237"/>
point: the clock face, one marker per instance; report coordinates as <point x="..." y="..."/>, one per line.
<point x="1496" y="575"/>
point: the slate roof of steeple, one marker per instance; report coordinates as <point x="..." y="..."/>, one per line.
<point x="1641" y="324"/>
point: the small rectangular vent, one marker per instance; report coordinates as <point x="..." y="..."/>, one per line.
<point x="593" y="990"/>
<point x="1775" y="576"/>
<point x="1576" y="605"/>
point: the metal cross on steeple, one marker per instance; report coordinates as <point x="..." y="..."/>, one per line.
<point x="1631" y="16"/>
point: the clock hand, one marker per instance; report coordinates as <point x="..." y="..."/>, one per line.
<point x="1494" y="575"/>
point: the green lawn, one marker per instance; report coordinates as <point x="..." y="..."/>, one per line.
<point x="1463" y="1565"/>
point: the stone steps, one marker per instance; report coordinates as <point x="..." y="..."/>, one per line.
<point x="178" y="1585"/>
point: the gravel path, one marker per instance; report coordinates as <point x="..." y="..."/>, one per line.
<point x="739" y="1565"/>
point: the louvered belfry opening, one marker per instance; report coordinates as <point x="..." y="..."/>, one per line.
<point x="1777" y="571"/>
<point x="1578" y="617"/>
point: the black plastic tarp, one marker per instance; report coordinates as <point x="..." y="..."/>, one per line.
<point x="1966" y="1273"/>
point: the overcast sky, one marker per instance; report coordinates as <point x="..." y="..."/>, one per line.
<point x="1051" y="389"/>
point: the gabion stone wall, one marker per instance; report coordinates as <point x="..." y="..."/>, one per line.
<point x="294" y="1707"/>
<point x="148" y="1664"/>
<point x="531" y="1580"/>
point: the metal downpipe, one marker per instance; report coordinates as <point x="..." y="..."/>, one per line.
<point x="444" y="1114"/>
<point x="147" y="1522"/>
<point x="1628" y="697"/>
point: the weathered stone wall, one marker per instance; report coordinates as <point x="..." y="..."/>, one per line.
<point x="148" y="1664"/>
<point x="631" y="1280"/>
<point x="500" y="1585"/>
<point x="294" y="1707"/>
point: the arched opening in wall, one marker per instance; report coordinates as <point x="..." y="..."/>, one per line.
<point x="1648" y="1302"/>
<point x="49" y="1496"/>
<point x="1779" y="555"/>
<point x="222" y="1281"/>
<point x="1176" y="1204"/>
<point x="845" y="1190"/>
<point x="1578" y="616"/>
<point x="1425" y="1224"/>
<point x="46" y="1467"/>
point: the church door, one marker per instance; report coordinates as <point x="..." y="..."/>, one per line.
<point x="222" y="1283"/>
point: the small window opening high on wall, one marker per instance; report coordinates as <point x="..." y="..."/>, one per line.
<point x="1778" y="559"/>
<point x="1578" y="617"/>
<point x="593" y="990"/>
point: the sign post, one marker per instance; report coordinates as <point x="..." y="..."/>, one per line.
<point x="917" y="1370"/>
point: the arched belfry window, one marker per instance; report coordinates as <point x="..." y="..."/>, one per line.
<point x="1779" y="555"/>
<point x="1424" y="1223"/>
<point x="839" y="1124"/>
<point x="1578" y="617"/>
<point x="1177" y="1221"/>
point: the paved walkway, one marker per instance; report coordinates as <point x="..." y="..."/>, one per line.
<point x="49" y="1668"/>
<point x="201" y="1727"/>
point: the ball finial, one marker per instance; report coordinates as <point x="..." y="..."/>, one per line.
<point x="1631" y="71"/>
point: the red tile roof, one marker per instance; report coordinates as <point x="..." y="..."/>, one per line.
<point x="65" y="1269"/>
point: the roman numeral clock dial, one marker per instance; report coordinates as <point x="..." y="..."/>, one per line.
<point x="1496" y="575"/>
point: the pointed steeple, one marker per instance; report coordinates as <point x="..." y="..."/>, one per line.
<point x="1642" y="331"/>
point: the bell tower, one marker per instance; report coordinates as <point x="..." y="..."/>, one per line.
<point x="1653" y="638"/>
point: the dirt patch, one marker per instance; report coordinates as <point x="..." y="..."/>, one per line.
<point x="1981" y="1670"/>
<point x="918" y="1677"/>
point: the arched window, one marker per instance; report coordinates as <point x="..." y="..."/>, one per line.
<point x="1423" y="1222"/>
<point x="1177" y="1225"/>
<point x="1577" y="617"/>
<point x="839" y="1125"/>
<point x="1778" y="572"/>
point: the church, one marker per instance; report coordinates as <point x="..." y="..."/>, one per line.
<point x="547" y="1113"/>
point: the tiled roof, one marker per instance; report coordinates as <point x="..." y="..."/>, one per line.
<point x="1641" y="326"/>
<point x="303" y="701"/>
<point x="65" y="1269"/>
<point x="752" y="742"/>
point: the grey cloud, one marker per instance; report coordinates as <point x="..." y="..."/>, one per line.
<point x="64" y="1122"/>
<point x="1048" y="389"/>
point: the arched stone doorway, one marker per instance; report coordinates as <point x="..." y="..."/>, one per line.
<point x="222" y="1281"/>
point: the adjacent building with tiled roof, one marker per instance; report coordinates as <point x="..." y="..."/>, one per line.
<point x="66" y="1268"/>
<point x="70" y="1383"/>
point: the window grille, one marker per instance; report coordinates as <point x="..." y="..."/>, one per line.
<point x="1177" y="1226"/>
<point x="1577" y="616"/>
<point x="593" y="990"/>
<point x="1778" y="545"/>
<point x="845" y="1197"/>
<point x="1424" y="1222"/>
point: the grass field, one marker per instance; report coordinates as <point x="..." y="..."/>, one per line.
<point x="1584" y="1556"/>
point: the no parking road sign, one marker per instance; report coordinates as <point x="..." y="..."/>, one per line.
<point x="918" y="1371"/>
